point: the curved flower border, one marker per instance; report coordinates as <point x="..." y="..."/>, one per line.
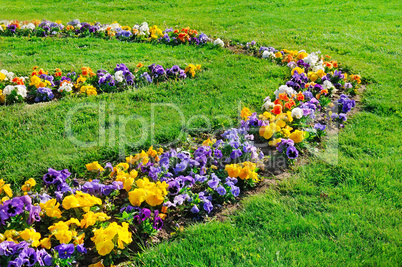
<point x="112" y="208"/>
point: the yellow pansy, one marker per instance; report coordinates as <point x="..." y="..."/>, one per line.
<point x="51" y="208"/>
<point x="2" y="76"/>
<point x="208" y="142"/>
<point x="268" y="131"/>
<point x="122" y="166"/>
<point x="297" y="136"/>
<point x="2" y="97"/>
<point x="64" y="236"/>
<point x="145" y="183"/>
<point x="82" y="200"/>
<point x="302" y="55"/>
<point x="245" y="113"/>
<point x="321" y="73"/>
<point x="31" y="236"/>
<point x="312" y="76"/>
<point x="154" y="196"/>
<point x="278" y="54"/>
<point x="265" y="116"/>
<point x="94" y="166"/>
<point x="281" y="123"/>
<point x="104" y="247"/>
<point x="90" y="218"/>
<point x="28" y="185"/>
<point x="275" y="141"/>
<point x="128" y="183"/>
<point x="137" y="196"/>
<point x="298" y="70"/>
<point x="289" y="116"/>
<point x="45" y="243"/>
<point x="233" y="170"/>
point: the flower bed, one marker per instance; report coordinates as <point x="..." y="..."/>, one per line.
<point x="138" y="33"/>
<point x="116" y="209"/>
<point x="42" y="86"/>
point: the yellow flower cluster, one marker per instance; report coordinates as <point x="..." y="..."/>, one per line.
<point x="2" y="76"/>
<point x="51" y="208"/>
<point x="2" y="97"/>
<point x="5" y="188"/>
<point x="94" y="166"/>
<point x="297" y="136"/>
<point x="192" y="69"/>
<point x="155" y="32"/>
<point x="313" y="76"/>
<point x="126" y="178"/>
<point x="298" y="70"/>
<point x="62" y="232"/>
<point x="245" y="113"/>
<point x="301" y="55"/>
<point x="28" y="185"/>
<point x="278" y="124"/>
<point x="88" y="89"/>
<point x="144" y="157"/>
<point x="37" y="82"/>
<point x="90" y="218"/>
<point x="80" y="81"/>
<point x="152" y="193"/>
<point x="104" y="239"/>
<point x="208" y="142"/>
<point x="244" y="171"/>
<point x="293" y="53"/>
<point x="80" y="200"/>
<point x="29" y="235"/>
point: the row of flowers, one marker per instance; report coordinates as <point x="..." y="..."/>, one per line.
<point x="115" y="206"/>
<point x="75" y="28"/>
<point x="42" y="86"/>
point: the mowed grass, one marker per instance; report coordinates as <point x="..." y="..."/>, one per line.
<point x="66" y="134"/>
<point x="325" y="215"/>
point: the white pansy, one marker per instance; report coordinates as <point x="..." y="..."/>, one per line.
<point x="219" y="42"/>
<point x="267" y="104"/>
<point x="103" y="28"/>
<point x="327" y="84"/>
<point x="21" y="90"/>
<point x="29" y="26"/>
<point x="8" y="89"/>
<point x="67" y="87"/>
<point x="118" y="76"/>
<point x="268" y="54"/>
<point x="9" y="75"/>
<point x="318" y="67"/>
<point x="297" y="113"/>
<point x="144" y="29"/>
<point x="292" y="65"/>
<point x="5" y="22"/>
<point x="284" y="88"/>
<point x="311" y="59"/>
<point x="1" y="28"/>
<point x="78" y="26"/>
<point x="115" y="26"/>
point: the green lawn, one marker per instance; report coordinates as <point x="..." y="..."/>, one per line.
<point x="358" y="224"/>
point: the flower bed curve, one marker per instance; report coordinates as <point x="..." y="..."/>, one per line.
<point x="116" y="209"/>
